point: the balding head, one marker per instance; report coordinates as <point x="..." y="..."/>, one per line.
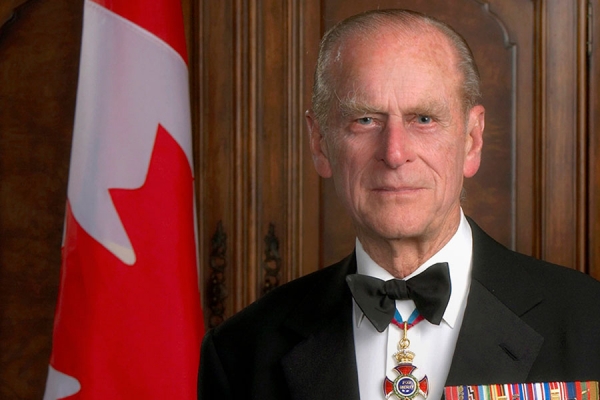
<point x="370" y="26"/>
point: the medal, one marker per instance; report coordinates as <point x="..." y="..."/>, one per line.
<point x="406" y="386"/>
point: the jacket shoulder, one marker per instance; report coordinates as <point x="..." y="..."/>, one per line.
<point x="278" y="304"/>
<point x="513" y="276"/>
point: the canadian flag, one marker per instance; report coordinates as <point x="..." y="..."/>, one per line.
<point x="128" y="322"/>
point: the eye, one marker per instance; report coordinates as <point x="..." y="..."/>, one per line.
<point x="365" y="120"/>
<point x="424" y="119"/>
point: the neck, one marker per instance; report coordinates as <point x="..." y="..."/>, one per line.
<point x="403" y="256"/>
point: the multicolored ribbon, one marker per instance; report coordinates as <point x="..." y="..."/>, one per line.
<point x="526" y="391"/>
<point x="412" y="320"/>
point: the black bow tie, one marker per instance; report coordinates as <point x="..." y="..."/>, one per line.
<point x="430" y="290"/>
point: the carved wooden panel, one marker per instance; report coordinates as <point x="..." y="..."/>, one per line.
<point x="248" y="79"/>
<point x="216" y="287"/>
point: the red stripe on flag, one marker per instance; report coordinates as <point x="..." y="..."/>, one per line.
<point x="159" y="17"/>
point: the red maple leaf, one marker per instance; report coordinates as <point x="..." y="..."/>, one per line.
<point x="133" y="332"/>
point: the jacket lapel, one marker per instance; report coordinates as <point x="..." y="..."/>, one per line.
<point x="495" y="345"/>
<point x="323" y="364"/>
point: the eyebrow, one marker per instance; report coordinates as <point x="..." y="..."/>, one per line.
<point x="352" y="105"/>
<point x="433" y="108"/>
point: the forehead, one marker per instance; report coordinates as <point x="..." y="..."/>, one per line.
<point x="397" y="63"/>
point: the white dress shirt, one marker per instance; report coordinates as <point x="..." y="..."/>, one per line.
<point x="433" y="345"/>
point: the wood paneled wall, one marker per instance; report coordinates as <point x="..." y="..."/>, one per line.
<point x="39" y="57"/>
<point x="264" y="215"/>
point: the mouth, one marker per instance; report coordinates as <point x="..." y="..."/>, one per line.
<point x="397" y="189"/>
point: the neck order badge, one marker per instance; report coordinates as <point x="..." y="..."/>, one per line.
<point x="406" y="386"/>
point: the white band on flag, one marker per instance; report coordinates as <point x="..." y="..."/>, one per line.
<point x="115" y="124"/>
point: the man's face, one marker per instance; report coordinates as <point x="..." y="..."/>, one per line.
<point x="400" y="142"/>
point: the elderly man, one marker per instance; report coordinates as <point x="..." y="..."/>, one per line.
<point x="427" y="299"/>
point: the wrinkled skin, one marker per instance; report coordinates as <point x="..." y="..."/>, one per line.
<point x="399" y="144"/>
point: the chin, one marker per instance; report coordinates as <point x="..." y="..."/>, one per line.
<point x="398" y="229"/>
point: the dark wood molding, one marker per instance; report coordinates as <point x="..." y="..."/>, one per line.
<point x="593" y="133"/>
<point x="216" y="290"/>
<point x="561" y="98"/>
<point x="11" y="12"/>
<point x="271" y="264"/>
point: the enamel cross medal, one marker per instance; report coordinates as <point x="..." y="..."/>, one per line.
<point x="406" y="386"/>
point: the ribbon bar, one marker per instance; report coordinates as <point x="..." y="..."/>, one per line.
<point x="526" y="391"/>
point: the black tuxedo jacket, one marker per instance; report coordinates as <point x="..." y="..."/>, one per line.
<point x="525" y="321"/>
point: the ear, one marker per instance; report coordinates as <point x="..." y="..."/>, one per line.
<point x="318" y="146"/>
<point x="474" y="140"/>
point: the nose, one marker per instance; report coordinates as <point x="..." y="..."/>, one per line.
<point x="395" y="148"/>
